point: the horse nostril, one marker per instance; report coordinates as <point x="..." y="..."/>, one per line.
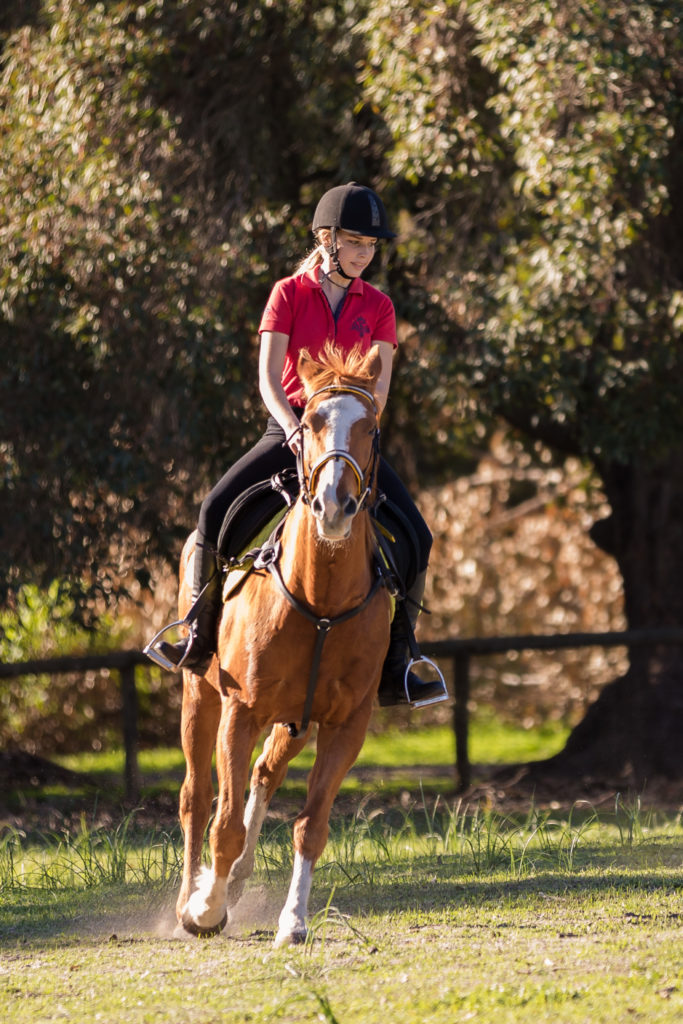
<point x="317" y="507"/>
<point x="351" y="507"/>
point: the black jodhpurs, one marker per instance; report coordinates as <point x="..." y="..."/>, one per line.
<point x="270" y="455"/>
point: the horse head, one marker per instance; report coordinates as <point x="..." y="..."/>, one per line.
<point x="339" y="449"/>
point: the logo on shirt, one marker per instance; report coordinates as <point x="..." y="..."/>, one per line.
<point x="360" y="326"/>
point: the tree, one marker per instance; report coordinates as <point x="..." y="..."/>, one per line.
<point x="166" y="156"/>
<point x="142" y="219"/>
<point x="546" y="142"/>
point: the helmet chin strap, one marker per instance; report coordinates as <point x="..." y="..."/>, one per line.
<point x="334" y="256"/>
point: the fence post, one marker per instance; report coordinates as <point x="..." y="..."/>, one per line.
<point x="129" y="706"/>
<point x="461" y="676"/>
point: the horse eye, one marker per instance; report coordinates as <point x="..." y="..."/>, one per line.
<point x="315" y="422"/>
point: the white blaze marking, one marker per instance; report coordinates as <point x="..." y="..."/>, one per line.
<point x="340" y="413"/>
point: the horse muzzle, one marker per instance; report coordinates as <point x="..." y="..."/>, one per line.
<point x="334" y="517"/>
<point x="334" y="505"/>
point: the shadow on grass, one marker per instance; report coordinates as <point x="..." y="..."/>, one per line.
<point x="132" y="913"/>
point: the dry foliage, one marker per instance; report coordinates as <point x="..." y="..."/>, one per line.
<point x="512" y="556"/>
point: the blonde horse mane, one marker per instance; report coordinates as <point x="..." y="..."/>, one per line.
<point x="334" y="366"/>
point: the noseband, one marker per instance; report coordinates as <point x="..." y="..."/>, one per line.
<point x="364" y="477"/>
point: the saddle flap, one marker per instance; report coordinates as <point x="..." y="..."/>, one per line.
<point x="398" y="541"/>
<point x="252" y="511"/>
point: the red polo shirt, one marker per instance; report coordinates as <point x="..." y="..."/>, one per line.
<point x="298" y="307"/>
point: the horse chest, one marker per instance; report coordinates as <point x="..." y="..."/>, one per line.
<point x="269" y="657"/>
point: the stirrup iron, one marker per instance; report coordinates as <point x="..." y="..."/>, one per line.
<point x="422" y="659"/>
<point x="155" y="655"/>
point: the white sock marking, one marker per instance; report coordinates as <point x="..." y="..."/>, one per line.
<point x="243" y="867"/>
<point x="206" y="906"/>
<point x="292" y="923"/>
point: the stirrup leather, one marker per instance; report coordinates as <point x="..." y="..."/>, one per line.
<point x="421" y="659"/>
<point x="154" y="654"/>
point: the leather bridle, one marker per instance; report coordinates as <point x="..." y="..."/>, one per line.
<point x="365" y="478"/>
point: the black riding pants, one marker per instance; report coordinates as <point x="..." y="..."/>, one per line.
<point x="270" y="455"/>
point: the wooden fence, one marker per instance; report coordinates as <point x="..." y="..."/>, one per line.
<point x="124" y="662"/>
<point x="461" y="652"/>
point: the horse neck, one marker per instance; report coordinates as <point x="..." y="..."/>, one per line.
<point x="328" y="577"/>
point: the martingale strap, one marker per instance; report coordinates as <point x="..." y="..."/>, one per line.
<point x="268" y="558"/>
<point x="323" y="626"/>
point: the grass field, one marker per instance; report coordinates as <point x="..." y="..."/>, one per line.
<point x="390" y="761"/>
<point x="424" y="909"/>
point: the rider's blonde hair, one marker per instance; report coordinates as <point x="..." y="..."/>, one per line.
<point x="315" y="257"/>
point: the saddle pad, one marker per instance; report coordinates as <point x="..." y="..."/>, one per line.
<point x="398" y="541"/>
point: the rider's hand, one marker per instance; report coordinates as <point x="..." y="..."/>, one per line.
<point x="293" y="436"/>
<point x="295" y="443"/>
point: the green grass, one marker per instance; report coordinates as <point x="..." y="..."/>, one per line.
<point x="390" y="762"/>
<point x="424" y="909"/>
<point x="440" y="913"/>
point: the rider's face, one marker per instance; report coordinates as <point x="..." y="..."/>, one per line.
<point x="355" y="252"/>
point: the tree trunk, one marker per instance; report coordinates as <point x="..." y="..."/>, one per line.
<point x="635" y="727"/>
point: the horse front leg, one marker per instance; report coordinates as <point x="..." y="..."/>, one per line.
<point x="268" y="774"/>
<point x="206" y="910"/>
<point x="337" y="749"/>
<point x="199" y="724"/>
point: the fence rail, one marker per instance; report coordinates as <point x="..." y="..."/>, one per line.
<point x="461" y="651"/>
<point x="125" y="663"/>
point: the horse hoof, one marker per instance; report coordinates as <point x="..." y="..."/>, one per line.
<point x="283" y="939"/>
<point x="201" y="931"/>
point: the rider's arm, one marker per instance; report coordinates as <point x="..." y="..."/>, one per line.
<point x="386" y="354"/>
<point x="271" y="364"/>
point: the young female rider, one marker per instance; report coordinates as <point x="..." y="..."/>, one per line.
<point x="325" y="300"/>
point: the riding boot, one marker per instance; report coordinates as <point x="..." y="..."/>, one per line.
<point x="196" y="650"/>
<point x="394" y="687"/>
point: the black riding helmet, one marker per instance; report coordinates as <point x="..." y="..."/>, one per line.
<point x="351" y="207"/>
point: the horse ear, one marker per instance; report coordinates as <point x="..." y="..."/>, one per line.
<point x="306" y="369"/>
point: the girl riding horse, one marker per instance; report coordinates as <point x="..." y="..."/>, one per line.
<point x="325" y="301"/>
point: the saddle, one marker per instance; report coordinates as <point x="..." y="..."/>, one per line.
<point x="397" y="542"/>
<point x="260" y="508"/>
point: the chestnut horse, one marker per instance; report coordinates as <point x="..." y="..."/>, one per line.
<point x="273" y="668"/>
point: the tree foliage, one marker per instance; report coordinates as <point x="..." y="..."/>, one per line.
<point x="549" y="215"/>
<point x="158" y="149"/>
<point x="166" y="156"/>
<point x="550" y="185"/>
